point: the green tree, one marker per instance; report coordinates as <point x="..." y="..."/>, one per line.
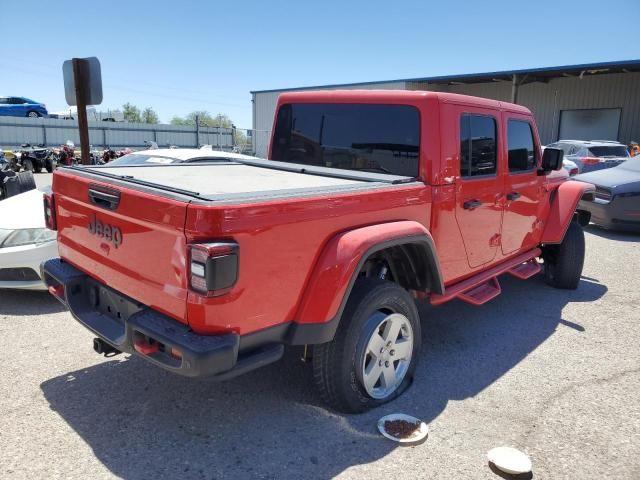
<point x="131" y="113"/>
<point x="178" y="121"/>
<point x="205" y="119"/>
<point x="150" y="116"/>
<point x="241" y="141"/>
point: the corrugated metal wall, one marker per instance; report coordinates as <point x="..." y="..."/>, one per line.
<point x="264" y="109"/>
<point x="547" y="100"/>
<point x="15" y="131"/>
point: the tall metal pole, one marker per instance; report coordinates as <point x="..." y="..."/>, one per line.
<point x="83" y="126"/>
<point x="514" y="89"/>
<point x="197" y="131"/>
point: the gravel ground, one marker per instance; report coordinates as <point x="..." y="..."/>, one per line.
<point x="554" y="373"/>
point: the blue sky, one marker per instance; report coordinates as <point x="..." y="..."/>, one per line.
<point x="194" y="55"/>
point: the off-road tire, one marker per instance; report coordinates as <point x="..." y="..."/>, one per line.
<point x="336" y="364"/>
<point x="26" y="182"/>
<point x="563" y="263"/>
<point x="27" y="165"/>
<point x="37" y="168"/>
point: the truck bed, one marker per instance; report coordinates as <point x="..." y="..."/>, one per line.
<point x="240" y="181"/>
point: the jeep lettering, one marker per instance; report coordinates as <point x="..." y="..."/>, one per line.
<point x="109" y="232"/>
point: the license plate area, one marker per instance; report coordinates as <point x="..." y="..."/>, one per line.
<point x="110" y="303"/>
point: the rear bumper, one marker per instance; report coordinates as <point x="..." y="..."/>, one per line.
<point x="134" y="328"/>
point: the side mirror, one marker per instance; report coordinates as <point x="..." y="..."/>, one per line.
<point x="551" y="160"/>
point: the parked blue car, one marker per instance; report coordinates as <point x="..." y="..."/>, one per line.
<point x="22" y="107"/>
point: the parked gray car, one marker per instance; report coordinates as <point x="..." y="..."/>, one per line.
<point x="593" y="154"/>
<point x="617" y="202"/>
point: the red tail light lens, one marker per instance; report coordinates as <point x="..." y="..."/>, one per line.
<point x="589" y="160"/>
<point x="213" y="267"/>
<point x="50" y="212"/>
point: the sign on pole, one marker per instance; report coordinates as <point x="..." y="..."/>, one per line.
<point x="82" y="87"/>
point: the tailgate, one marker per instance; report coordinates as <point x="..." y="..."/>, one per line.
<point x="130" y="240"/>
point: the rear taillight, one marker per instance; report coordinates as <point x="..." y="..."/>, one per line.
<point x="589" y="160"/>
<point x="213" y="267"/>
<point x="573" y="171"/>
<point x="50" y="212"/>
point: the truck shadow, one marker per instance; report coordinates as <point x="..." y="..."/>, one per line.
<point x="25" y="302"/>
<point x="145" y="423"/>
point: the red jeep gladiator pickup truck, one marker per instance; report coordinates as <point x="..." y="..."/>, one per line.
<point x="370" y="200"/>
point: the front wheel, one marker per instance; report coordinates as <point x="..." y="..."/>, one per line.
<point x="373" y="355"/>
<point x="33" y="114"/>
<point x="563" y="263"/>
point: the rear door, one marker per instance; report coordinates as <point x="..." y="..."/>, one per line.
<point x="129" y="240"/>
<point x="478" y="187"/>
<point x="18" y="107"/>
<point x="523" y="186"/>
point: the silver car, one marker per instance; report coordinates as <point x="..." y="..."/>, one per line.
<point x="592" y="155"/>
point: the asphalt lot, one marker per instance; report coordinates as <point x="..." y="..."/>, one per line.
<point x="555" y="373"/>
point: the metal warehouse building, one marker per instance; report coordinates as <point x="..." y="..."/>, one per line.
<point x="585" y="102"/>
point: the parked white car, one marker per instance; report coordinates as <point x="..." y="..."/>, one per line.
<point x="25" y="242"/>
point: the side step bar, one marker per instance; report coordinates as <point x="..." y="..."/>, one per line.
<point x="484" y="286"/>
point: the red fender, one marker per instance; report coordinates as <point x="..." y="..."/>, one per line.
<point x="562" y="209"/>
<point x="342" y="258"/>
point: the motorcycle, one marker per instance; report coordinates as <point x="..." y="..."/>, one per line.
<point x="66" y="155"/>
<point x="110" y="154"/>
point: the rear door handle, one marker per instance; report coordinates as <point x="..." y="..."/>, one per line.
<point x="471" y="204"/>
<point x="513" y="196"/>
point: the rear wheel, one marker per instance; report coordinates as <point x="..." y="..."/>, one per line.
<point x="563" y="263"/>
<point x="374" y="353"/>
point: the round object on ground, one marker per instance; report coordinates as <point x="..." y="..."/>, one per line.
<point x="510" y="460"/>
<point x="404" y="429"/>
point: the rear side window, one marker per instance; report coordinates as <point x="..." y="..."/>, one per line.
<point x="522" y="153"/>
<point x="477" y="145"/>
<point x="364" y="137"/>
<point x="609" y="151"/>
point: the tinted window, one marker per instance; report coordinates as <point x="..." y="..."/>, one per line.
<point x="609" y="151"/>
<point x="522" y="154"/>
<point x="372" y="138"/>
<point x="477" y="145"/>
<point x="4" y="100"/>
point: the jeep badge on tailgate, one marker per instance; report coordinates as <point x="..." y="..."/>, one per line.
<point x="110" y="233"/>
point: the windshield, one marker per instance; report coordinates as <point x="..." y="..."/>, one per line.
<point x="138" y="159"/>
<point x="609" y="151"/>
<point x="364" y="137"/>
